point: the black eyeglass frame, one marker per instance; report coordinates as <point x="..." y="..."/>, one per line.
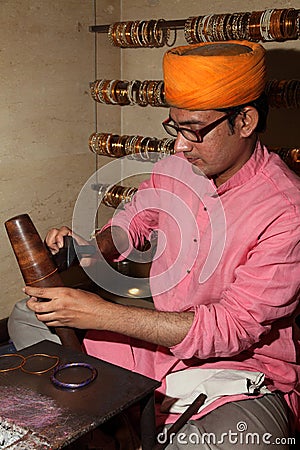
<point x="199" y="134"/>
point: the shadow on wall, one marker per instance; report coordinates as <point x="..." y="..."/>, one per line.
<point x="283" y="123"/>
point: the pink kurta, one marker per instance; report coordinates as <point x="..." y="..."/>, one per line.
<point x="231" y="255"/>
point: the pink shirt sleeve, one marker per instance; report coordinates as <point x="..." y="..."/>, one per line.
<point x="137" y="220"/>
<point x="266" y="288"/>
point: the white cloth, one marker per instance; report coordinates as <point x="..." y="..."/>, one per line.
<point x="183" y="387"/>
<point x="25" y="329"/>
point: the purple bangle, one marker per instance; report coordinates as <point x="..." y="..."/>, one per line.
<point x="85" y="382"/>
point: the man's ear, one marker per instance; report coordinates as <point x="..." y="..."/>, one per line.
<point x="248" y="120"/>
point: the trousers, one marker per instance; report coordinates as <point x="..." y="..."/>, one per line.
<point x="258" y="423"/>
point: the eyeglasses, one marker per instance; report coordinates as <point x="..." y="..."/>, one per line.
<point x="193" y="135"/>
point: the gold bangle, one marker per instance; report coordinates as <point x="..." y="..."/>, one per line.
<point x="254" y="25"/>
<point x="141" y="98"/>
<point x="208" y="28"/>
<point x="162" y="33"/>
<point x="200" y="29"/>
<point x="118" y="34"/>
<point x="104" y="144"/>
<point x="8" y="355"/>
<point x="150" y="92"/>
<point x="132" y="90"/>
<point x="122" y="35"/>
<point x="120" y="92"/>
<point x="127" y="145"/>
<point x="205" y="23"/>
<point x="275" y="24"/>
<point x="220" y="27"/>
<point x="112" y="34"/>
<point x="134" y="34"/>
<point x="149" y="33"/>
<point x="110" y="92"/>
<point x="96" y="90"/>
<point x="127" y="33"/>
<point x="105" y="90"/>
<point x="117" y="148"/>
<point x="188" y="30"/>
<point x="295" y="155"/>
<point x="245" y="35"/>
<point x="141" y="36"/>
<point x="39" y="372"/>
<point x="265" y="22"/>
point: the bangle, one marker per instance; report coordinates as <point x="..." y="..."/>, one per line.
<point x="17" y="355"/>
<point x="38" y="355"/>
<point x="83" y="383"/>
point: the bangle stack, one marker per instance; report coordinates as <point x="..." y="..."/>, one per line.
<point x="123" y="92"/>
<point x="283" y="93"/>
<point x="139" y="33"/>
<point x="116" y="195"/>
<point x="280" y="93"/>
<point x="137" y="147"/>
<point x="268" y="25"/>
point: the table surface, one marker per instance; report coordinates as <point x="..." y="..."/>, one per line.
<point x="58" y="417"/>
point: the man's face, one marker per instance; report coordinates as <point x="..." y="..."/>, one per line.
<point x="221" y="154"/>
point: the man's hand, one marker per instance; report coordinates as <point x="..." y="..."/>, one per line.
<point x="67" y="307"/>
<point x="55" y="238"/>
<point x="55" y="241"/>
<point x="111" y="242"/>
<point x="79" y="309"/>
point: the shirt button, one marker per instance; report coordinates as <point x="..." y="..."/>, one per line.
<point x="205" y="209"/>
<point x="188" y="271"/>
<point x="195" y="240"/>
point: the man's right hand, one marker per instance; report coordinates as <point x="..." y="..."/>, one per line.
<point x="55" y="238"/>
<point x="55" y="241"/>
<point x="104" y="241"/>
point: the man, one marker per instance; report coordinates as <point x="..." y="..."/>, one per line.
<point x="225" y="277"/>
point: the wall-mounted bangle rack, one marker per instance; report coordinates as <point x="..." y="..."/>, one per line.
<point x="144" y="148"/>
<point x="280" y="93"/>
<point x="267" y="25"/>
<point x="258" y="26"/>
<point x="137" y="147"/>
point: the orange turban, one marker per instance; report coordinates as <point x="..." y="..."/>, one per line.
<point x="214" y="75"/>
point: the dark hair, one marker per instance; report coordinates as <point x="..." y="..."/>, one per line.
<point x="260" y="104"/>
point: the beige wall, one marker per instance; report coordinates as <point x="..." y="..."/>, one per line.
<point x="47" y="60"/>
<point x="46" y="115"/>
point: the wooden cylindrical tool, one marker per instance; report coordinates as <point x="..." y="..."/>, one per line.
<point x="36" y="265"/>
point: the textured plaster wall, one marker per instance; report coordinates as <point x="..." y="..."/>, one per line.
<point x="46" y="115"/>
